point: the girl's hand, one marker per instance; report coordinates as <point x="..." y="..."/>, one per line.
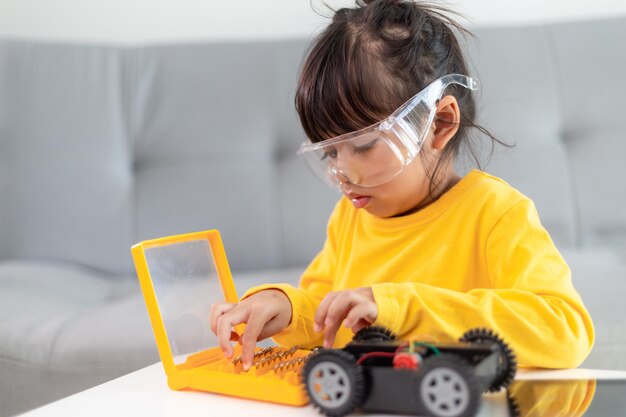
<point x="357" y="307"/>
<point x="265" y="314"/>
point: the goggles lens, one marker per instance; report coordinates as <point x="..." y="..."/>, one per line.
<point x="375" y="155"/>
<point x="368" y="160"/>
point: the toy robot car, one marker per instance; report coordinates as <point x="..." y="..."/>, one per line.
<point x="377" y="372"/>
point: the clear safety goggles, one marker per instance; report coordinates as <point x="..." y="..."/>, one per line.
<point x="376" y="154"/>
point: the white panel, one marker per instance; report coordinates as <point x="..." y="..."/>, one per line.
<point x="164" y="20"/>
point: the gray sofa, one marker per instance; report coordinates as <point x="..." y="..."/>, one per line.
<point x="104" y="146"/>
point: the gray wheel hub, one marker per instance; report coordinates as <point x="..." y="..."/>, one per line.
<point x="445" y="392"/>
<point x="329" y="384"/>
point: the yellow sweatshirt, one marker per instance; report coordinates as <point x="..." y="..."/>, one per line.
<point x="476" y="257"/>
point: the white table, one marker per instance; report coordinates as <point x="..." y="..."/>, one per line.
<point x="145" y="393"/>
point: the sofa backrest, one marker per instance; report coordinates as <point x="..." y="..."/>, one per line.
<point x="66" y="183"/>
<point x="103" y="146"/>
<point x="557" y="92"/>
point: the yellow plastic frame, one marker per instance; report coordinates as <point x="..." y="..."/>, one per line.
<point x="209" y="370"/>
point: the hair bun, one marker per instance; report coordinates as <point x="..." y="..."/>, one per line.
<point x="364" y="3"/>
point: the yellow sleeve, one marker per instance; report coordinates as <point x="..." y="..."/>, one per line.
<point x="315" y="283"/>
<point x="532" y="303"/>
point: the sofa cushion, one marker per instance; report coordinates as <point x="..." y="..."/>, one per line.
<point x="66" y="328"/>
<point x="204" y="132"/>
<point x="599" y="275"/>
<point x="589" y="68"/>
<point x="519" y="102"/>
<point x="65" y="165"/>
<point x="52" y="310"/>
<point x="304" y="203"/>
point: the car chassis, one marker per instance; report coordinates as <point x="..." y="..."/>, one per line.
<point x="377" y="372"/>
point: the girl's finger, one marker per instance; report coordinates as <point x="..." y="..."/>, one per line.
<point x="361" y="324"/>
<point x="337" y="311"/>
<point x="225" y="325"/>
<point x="217" y="310"/>
<point x="365" y="311"/>
<point x="322" y="309"/>
<point x="255" y="324"/>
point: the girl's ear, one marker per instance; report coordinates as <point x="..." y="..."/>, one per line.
<point x="446" y="122"/>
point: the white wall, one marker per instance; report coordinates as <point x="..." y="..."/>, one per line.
<point x="138" y="21"/>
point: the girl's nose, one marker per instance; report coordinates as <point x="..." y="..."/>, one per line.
<point x="344" y="176"/>
<point x="340" y="176"/>
<point x="345" y="169"/>
<point x="343" y="160"/>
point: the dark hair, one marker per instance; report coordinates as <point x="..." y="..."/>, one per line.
<point x="373" y="58"/>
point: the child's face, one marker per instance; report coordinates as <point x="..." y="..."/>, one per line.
<point x="402" y="194"/>
<point x="409" y="190"/>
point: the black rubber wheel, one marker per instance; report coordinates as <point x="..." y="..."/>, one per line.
<point x="374" y="333"/>
<point x="514" y="410"/>
<point x="507" y="363"/>
<point x="447" y="387"/>
<point x="334" y="382"/>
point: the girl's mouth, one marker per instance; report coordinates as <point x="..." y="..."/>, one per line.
<point x="359" y="201"/>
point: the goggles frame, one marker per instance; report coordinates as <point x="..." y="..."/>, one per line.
<point x="406" y="124"/>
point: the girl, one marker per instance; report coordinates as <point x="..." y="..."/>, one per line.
<point x="386" y="102"/>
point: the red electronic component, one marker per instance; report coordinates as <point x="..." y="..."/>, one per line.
<point x="406" y="360"/>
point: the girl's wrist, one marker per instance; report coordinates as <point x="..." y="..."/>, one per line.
<point x="285" y="309"/>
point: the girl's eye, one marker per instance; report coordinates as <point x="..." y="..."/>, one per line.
<point x="366" y="147"/>
<point x="330" y="154"/>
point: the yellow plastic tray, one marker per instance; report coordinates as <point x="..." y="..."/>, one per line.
<point x="180" y="276"/>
